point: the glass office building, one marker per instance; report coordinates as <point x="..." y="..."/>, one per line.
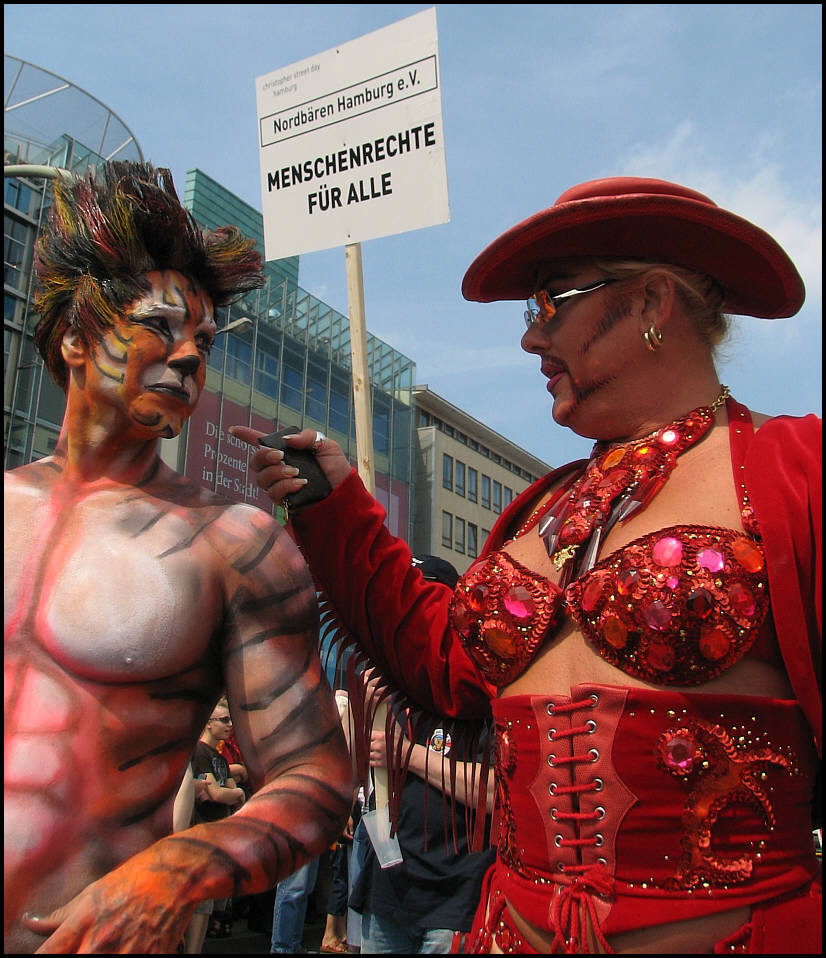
<point x="289" y="364"/>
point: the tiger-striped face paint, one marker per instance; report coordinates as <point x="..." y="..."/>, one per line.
<point x="152" y="363"/>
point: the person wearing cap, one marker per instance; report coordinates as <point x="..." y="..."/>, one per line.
<point x="644" y="626"/>
<point x="421" y="904"/>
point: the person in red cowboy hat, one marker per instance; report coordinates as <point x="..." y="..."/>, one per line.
<point x="644" y="626"/>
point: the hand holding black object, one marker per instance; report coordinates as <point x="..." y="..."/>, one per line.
<point x="308" y="468"/>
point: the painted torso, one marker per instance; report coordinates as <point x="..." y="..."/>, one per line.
<point x="111" y="598"/>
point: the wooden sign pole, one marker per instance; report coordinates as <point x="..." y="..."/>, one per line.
<point x="364" y="433"/>
<point x="361" y="375"/>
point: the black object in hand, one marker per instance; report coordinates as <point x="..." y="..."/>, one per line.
<point x="305" y="461"/>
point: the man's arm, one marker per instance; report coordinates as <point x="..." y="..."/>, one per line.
<point x="289" y="731"/>
<point x="227" y="794"/>
<point x="433" y="768"/>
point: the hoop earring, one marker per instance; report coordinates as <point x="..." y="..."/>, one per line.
<point x="653" y="338"/>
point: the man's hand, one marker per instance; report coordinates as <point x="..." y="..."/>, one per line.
<point x="278" y="479"/>
<point x="139" y="908"/>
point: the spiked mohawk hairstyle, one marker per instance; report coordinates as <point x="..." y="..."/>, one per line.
<point x="108" y="229"/>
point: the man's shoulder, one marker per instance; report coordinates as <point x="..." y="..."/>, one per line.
<point x="203" y="755"/>
<point x="33" y="476"/>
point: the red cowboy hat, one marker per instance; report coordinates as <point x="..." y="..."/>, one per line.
<point x="633" y="218"/>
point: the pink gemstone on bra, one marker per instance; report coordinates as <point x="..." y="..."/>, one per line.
<point x="714" y="645"/>
<point x="672" y="582"/>
<point x="656" y="616"/>
<point x="627" y="581"/>
<point x="660" y="656"/>
<point x="667" y="551"/>
<point x="518" y="602"/>
<point x="680" y="752"/>
<point x="747" y="554"/>
<point x="710" y="559"/>
<point x="742" y="599"/>
<point x="669" y="437"/>
<point x="700" y="602"/>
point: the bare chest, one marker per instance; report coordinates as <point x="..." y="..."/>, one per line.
<point x="112" y="588"/>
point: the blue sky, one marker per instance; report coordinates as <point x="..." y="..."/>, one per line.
<point x="723" y="98"/>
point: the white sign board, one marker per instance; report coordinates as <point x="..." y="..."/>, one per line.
<point x="351" y="142"/>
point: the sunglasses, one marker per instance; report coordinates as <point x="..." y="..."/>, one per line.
<point x="543" y="306"/>
<point x="226" y="720"/>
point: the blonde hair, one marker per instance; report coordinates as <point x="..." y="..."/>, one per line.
<point x="700" y="295"/>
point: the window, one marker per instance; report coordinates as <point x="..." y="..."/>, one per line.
<point x="447" y="530"/>
<point x="239" y="359"/>
<point x="14" y="249"/>
<point x="497" y="497"/>
<point x="339" y="403"/>
<point x="18" y="195"/>
<point x="266" y="373"/>
<point x="447" y="471"/>
<point x="315" y="397"/>
<point x="508" y="496"/>
<point x="381" y="425"/>
<point x="472" y="540"/>
<point x="459" y="540"/>
<point x="485" y="491"/>
<point x="472" y="476"/>
<point x="292" y="378"/>
<point x="459" y="487"/>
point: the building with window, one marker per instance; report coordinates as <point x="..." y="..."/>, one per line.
<point x="289" y="364"/>
<point x="442" y="478"/>
<point x="465" y="476"/>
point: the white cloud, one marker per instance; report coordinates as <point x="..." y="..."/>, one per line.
<point x="758" y="190"/>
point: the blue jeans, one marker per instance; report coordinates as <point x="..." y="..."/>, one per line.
<point x="337" y="902"/>
<point x="385" y="936"/>
<point x="290" y="909"/>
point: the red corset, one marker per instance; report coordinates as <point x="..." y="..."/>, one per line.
<point x="643" y="806"/>
<point x="675" y="607"/>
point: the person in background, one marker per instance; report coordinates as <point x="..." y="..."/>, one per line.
<point x="290" y="909"/>
<point x="223" y="796"/>
<point x="134" y="597"/>
<point x="191" y="791"/>
<point x="644" y="626"/>
<point x="421" y="904"/>
<point x="335" y="939"/>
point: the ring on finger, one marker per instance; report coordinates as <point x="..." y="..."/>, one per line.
<point x="319" y="441"/>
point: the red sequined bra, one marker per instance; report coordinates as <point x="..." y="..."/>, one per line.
<point x="675" y="607"/>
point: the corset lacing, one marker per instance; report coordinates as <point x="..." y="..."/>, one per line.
<point x="572" y="907"/>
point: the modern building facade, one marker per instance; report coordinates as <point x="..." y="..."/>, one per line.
<point x="466" y="474"/>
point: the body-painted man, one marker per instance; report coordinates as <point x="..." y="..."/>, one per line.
<point x="134" y="597"/>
